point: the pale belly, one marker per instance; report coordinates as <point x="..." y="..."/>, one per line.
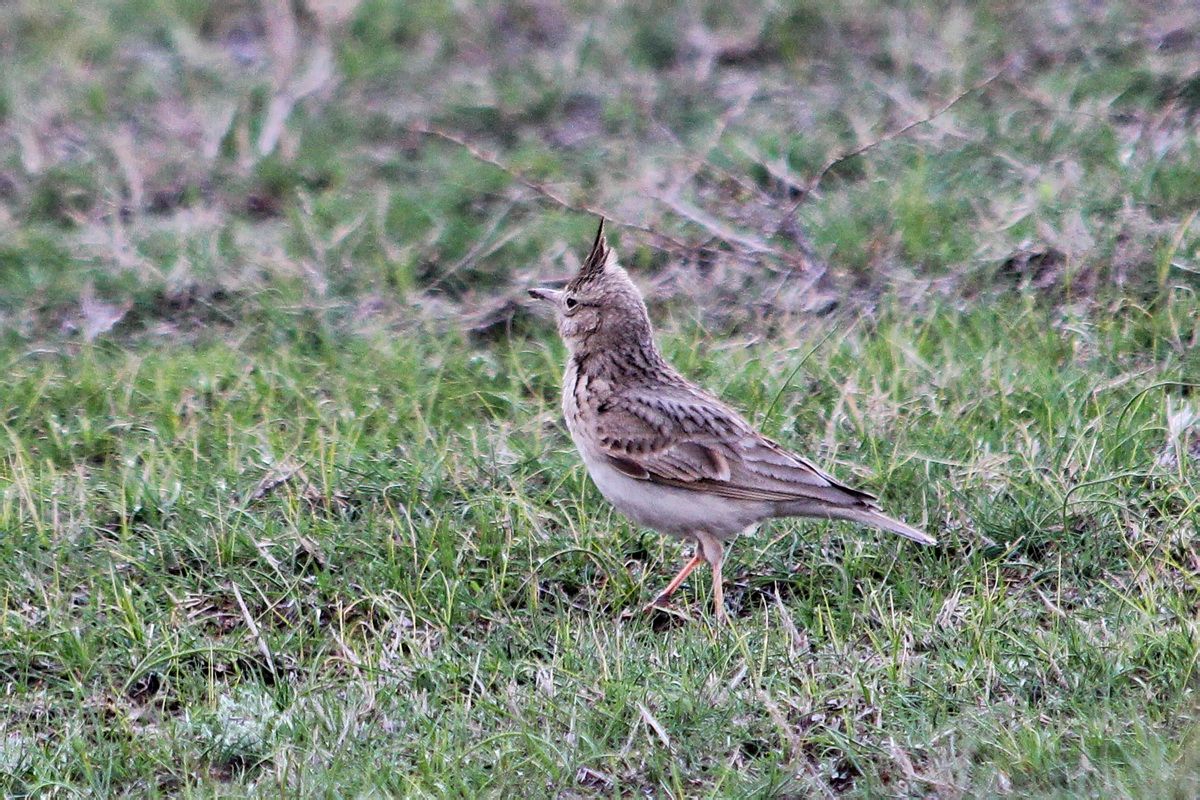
<point x="678" y="512"/>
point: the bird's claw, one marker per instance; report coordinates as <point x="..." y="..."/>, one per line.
<point x="657" y="604"/>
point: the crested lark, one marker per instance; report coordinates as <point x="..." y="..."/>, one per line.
<point x="665" y="452"/>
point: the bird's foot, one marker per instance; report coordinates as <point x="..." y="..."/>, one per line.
<point x="659" y="603"/>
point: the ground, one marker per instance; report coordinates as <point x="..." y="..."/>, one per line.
<point x="286" y="503"/>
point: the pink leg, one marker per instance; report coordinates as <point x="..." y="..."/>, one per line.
<point x="714" y="553"/>
<point x="695" y="561"/>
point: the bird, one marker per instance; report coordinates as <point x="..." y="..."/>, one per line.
<point x="666" y="453"/>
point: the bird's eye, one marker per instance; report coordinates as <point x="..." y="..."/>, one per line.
<point x="572" y="302"/>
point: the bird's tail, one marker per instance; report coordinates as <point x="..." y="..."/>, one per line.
<point x="877" y="519"/>
<point x="863" y="515"/>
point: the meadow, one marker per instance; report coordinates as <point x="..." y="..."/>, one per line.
<point x="286" y="504"/>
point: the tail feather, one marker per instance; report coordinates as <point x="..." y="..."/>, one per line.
<point x="862" y="515"/>
<point x="877" y="519"/>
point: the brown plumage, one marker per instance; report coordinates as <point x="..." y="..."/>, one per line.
<point x="667" y="453"/>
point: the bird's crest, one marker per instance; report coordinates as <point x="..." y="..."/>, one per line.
<point x="597" y="259"/>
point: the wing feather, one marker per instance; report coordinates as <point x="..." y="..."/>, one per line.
<point x="677" y="436"/>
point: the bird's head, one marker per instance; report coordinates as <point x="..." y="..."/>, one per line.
<point x="600" y="307"/>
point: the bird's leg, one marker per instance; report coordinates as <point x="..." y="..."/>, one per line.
<point x="719" y="592"/>
<point x="714" y="553"/>
<point x="695" y="561"/>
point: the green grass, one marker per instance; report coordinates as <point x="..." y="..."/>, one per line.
<point x="286" y="504"/>
<point x="444" y="604"/>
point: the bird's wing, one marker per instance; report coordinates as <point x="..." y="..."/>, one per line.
<point x="680" y="437"/>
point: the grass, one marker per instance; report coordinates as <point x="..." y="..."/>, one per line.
<point x="443" y="604"/>
<point x="286" y="504"/>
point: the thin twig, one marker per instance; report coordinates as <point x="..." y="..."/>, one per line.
<point x="804" y="262"/>
<point x="700" y="161"/>
<point x="744" y="244"/>
<point x="671" y="244"/>
<point x="278" y="476"/>
<point x="483" y="246"/>
<point x="903" y="129"/>
<point x="748" y="242"/>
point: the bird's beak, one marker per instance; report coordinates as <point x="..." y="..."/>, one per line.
<point x="542" y="293"/>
